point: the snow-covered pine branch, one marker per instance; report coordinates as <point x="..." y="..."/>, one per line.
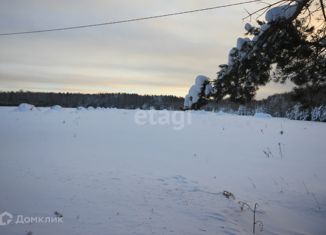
<point x="198" y="93"/>
<point x="285" y="42"/>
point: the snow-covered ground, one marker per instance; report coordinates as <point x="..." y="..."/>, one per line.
<point x="110" y="171"/>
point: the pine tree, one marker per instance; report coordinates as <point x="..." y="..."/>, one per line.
<point x="288" y="43"/>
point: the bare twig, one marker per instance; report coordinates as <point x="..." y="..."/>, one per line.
<point x="323" y="8"/>
<point x="248" y="15"/>
<point x="254" y="224"/>
<point x="260" y="223"/>
<point x="312" y="195"/>
<point x="262" y="9"/>
<point x="243" y="205"/>
<point x="280" y="149"/>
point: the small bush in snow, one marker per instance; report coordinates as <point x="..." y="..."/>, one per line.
<point x="25" y="107"/>
<point x="297" y="113"/>
<point x="254" y="211"/>
<point x="58" y="214"/>
<point x="316" y="113"/>
<point x="319" y="114"/>
<point x="56" y="107"/>
<point x="228" y="195"/>
<point x="80" y="108"/>
<point x="262" y="115"/>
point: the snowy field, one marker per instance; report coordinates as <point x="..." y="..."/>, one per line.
<point x="120" y="172"/>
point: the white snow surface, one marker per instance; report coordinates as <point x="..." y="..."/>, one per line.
<point x="280" y="12"/>
<point x="108" y="175"/>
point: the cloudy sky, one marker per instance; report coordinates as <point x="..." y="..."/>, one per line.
<point x="161" y="56"/>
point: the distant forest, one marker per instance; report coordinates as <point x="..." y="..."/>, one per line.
<point x="74" y="100"/>
<point x="279" y="105"/>
<point x="304" y="104"/>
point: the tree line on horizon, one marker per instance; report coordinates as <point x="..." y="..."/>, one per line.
<point x="105" y="100"/>
<point x="313" y="107"/>
<point x="278" y="105"/>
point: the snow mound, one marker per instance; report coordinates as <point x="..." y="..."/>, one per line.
<point x="90" y="108"/>
<point x="56" y="107"/>
<point x="220" y="113"/>
<point x="80" y="108"/>
<point x="25" y="107"/>
<point x="280" y="12"/>
<point x="262" y="115"/>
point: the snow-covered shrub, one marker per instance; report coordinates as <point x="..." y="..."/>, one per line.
<point x="322" y="116"/>
<point x="242" y="110"/>
<point x="319" y="113"/>
<point x="220" y="113"/>
<point x="262" y="115"/>
<point x="56" y="107"/>
<point x="25" y="107"/>
<point x="297" y="113"/>
<point x="245" y="111"/>
<point x="80" y="108"/>
<point x="316" y="114"/>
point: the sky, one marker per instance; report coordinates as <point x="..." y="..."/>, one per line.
<point x="161" y="56"/>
